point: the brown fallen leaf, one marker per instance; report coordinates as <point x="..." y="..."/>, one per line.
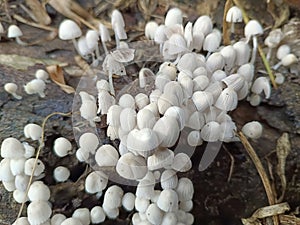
<point x="39" y="12"/>
<point x="57" y="76"/>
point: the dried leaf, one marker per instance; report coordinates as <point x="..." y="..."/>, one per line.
<point x="39" y="12"/>
<point x="57" y="76"/>
<point x="283" y="148"/>
<point x="23" y="62"/>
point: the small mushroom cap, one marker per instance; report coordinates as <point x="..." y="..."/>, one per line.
<point x="95" y="182"/>
<point x="131" y="167"/>
<point x="202" y="100"/>
<point x="253" y="28"/>
<point x="128" y="201"/>
<point x="5" y="171"/>
<point x="10" y="88"/>
<point x="185" y="189"/>
<point x="253" y="129"/>
<point x="282" y="51"/>
<point x="169" y="218"/>
<point x="128" y="119"/>
<point x="62" y="147"/>
<point x="104" y="33"/>
<point x="227" y="100"/>
<point x="21" y="182"/>
<point x="68" y="30"/>
<point x="35" y="86"/>
<point x="61" y="174"/>
<point x="89" y="141"/>
<point x="242" y="50"/>
<point x="82" y="214"/>
<point x="33" y="131"/>
<point x="234" y="15"/>
<point x="38" y="191"/>
<point x="274" y="38"/>
<point x="145" y="119"/>
<point x="169" y="179"/>
<point x="113" y="115"/>
<point x="141" y="100"/>
<point x="150" y="29"/>
<point x="92" y="38"/>
<point x="181" y="162"/>
<point x="211" y="42"/>
<point x="57" y="219"/>
<point x="194" y="138"/>
<point x="215" y="62"/>
<point x="204" y="24"/>
<point x="97" y="215"/>
<point x="9" y="185"/>
<point x="17" y="165"/>
<point x="210" y="132"/>
<point x="14" y="31"/>
<point x="38" y="212"/>
<point x="154" y="214"/>
<point x="106" y="155"/>
<point x="12" y="148"/>
<point x="162" y="157"/>
<point x="111" y="213"/>
<point x="29" y="165"/>
<point x="261" y="84"/>
<point x="113" y="197"/>
<point x="289" y="59"/>
<point x="168" y="201"/>
<point x="186" y="205"/>
<point x="141" y="204"/>
<point x="41" y="74"/>
<point x="174" y="16"/>
<point x="71" y="221"/>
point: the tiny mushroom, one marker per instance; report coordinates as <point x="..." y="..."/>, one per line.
<point x="15" y="32"/>
<point x="12" y="148"/>
<point x="118" y="26"/>
<point x="38" y="191"/>
<point x="253" y="129"/>
<point x="104" y="36"/>
<point x="97" y="215"/>
<point x="234" y="15"/>
<point x="42" y="75"/>
<point x="168" y="201"/>
<point x="95" y="182"/>
<point x="33" y="131"/>
<point x="36" y="86"/>
<point x="62" y="147"/>
<point x="262" y="84"/>
<point x="150" y="29"/>
<point x="38" y="212"/>
<point x="30" y="165"/>
<point x="106" y="155"/>
<point x="82" y="214"/>
<point x="12" y="88"/>
<point x="61" y="174"/>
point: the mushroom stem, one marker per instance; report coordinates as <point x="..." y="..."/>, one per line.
<point x="95" y="62"/>
<point x="20" y="42"/>
<point x="254" y="50"/>
<point x="276" y="66"/>
<point x="16" y="96"/>
<point x="269" y="53"/>
<point x="111" y="85"/>
<point x="232" y="28"/>
<point x="104" y="47"/>
<point x="75" y="46"/>
<point x="98" y="56"/>
<point x="117" y="40"/>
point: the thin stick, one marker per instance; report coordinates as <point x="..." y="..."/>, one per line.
<point x="261" y="53"/>
<point x="226" y="38"/>
<point x="261" y="171"/>
<point x="41" y="145"/>
<point x="33" y="24"/>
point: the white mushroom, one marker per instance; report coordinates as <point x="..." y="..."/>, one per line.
<point x="168" y="201"/>
<point x="62" y="147"/>
<point x="128" y="119"/>
<point x="253" y="129"/>
<point x="186" y="205"/>
<point x="169" y="179"/>
<point x="150" y="29"/>
<point x="174" y="16"/>
<point x="17" y="165"/>
<point x="95" y="182"/>
<point x="71" y="221"/>
<point x="21" y="182"/>
<point x="35" y="86"/>
<point x="210" y="132"/>
<point x="202" y="100"/>
<point x="203" y="24"/>
<point x="12" y="148"/>
<point x="97" y="215"/>
<point x="61" y="174"/>
<point x="162" y="157"/>
<point x="21" y="221"/>
<point x="82" y="214"/>
<point x="89" y="141"/>
<point x="113" y="197"/>
<point x="12" y="88"/>
<point x="20" y="196"/>
<point x="118" y="26"/>
<point x="141" y="204"/>
<point x="227" y="100"/>
<point x="5" y="172"/>
<point x="38" y="212"/>
<point x="234" y="15"/>
<point x="38" y="191"/>
<point x="169" y="218"/>
<point x="181" y="162"/>
<point x="15" y="32"/>
<point x="29" y="166"/>
<point x="185" y="189"/>
<point x="33" y="131"/>
<point x="42" y="75"/>
<point x="106" y="155"/>
<point x="154" y="214"/>
<point x="128" y="201"/>
<point x="262" y="84"/>
<point x="242" y="50"/>
<point x="57" y="219"/>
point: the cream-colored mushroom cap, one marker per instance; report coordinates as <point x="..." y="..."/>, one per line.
<point x="154" y="214"/>
<point x="62" y="147"/>
<point x="38" y="212"/>
<point x="181" y="162"/>
<point x="168" y="200"/>
<point x="97" y="215"/>
<point x="169" y="179"/>
<point x="89" y="141"/>
<point x="5" y="172"/>
<point x="106" y="155"/>
<point x="262" y="84"/>
<point x="162" y="157"/>
<point x="41" y="74"/>
<point x="68" y="30"/>
<point x="227" y="100"/>
<point x="82" y="214"/>
<point x="12" y="88"/>
<point x="20" y="196"/>
<point x="113" y="197"/>
<point x="21" y="182"/>
<point x="253" y="129"/>
<point x="71" y="221"/>
<point x="111" y="213"/>
<point x="128" y="201"/>
<point x="12" y="148"/>
<point x="61" y="174"/>
<point x="14" y="31"/>
<point x="131" y="167"/>
<point x="33" y="131"/>
<point x="29" y="165"/>
<point x="38" y="191"/>
<point x="185" y="189"/>
<point x="21" y="221"/>
<point x="234" y="15"/>
<point x="57" y="219"/>
<point x="95" y="182"/>
<point x="35" y="86"/>
<point x="174" y="16"/>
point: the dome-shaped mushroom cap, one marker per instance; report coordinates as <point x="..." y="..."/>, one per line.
<point x="14" y="31"/>
<point x="261" y="84"/>
<point x="71" y="221"/>
<point x="38" y="212"/>
<point x="169" y="218"/>
<point x="253" y="129"/>
<point x="57" y="219"/>
<point x="82" y="214"/>
<point x="169" y="179"/>
<point x="62" y="146"/>
<point x="252" y="28"/>
<point x="68" y="30"/>
<point x="33" y="131"/>
<point x="141" y="205"/>
<point x="21" y="182"/>
<point x="131" y="167"/>
<point x="154" y="214"/>
<point x="182" y="162"/>
<point x="174" y="16"/>
<point x="21" y="221"/>
<point x="128" y="119"/>
<point x="29" y="165"/>
<point x="97" y="215"/>
<point x="61" y="174"/>
<point x="202" y="100"/>
<point x="242" y="50"/>
<point x="145" y="189"/>
<point x="204" y="24"/>
<point x="5" y="171"/>
<point x="185" y="189"/>
<point x="168" y="201"/>
<point x="92" y="38"/>
<point x="106" y="155"/>
<point x="95" y="182"/>
<point x="10" y="88"/>
<point x="17" y="165"/>
<point x="150" y="29"/>
<point x="89" y="141"/>
<point x="38" y="191"/>
<point x="41" y="74"/>
<point x="113" y="115"/>
<point x="128" y="201"/>
<point x="186" y="205"/>
<point x="227" y="100"/>
<point x="210" y="132"/>
<point x="20" y="196"/>
<point x="12" y="148"/>
<point x="161" y="158"/>
<point x="113" y="197"/>
<point x="145" y="119"/>
<point x="234" y="15"/>
<point x="142" y="142"/>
